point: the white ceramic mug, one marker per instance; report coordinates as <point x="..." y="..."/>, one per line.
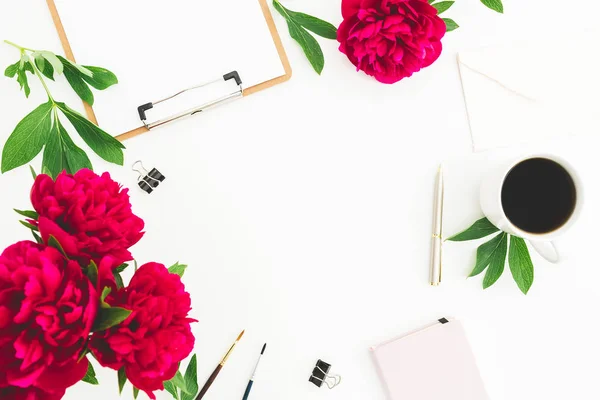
<point x="491" y="203"/>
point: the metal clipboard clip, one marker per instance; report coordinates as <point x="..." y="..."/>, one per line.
<point x="238" y="93"/>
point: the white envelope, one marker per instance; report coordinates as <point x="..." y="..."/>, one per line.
<point x="528" y="91"/>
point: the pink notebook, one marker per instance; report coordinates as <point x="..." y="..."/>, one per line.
<point x="430" y="364"/>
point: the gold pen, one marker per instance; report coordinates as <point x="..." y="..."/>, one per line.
<point x="436" y="238"/>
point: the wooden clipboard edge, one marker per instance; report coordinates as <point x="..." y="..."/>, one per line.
<point x="60" y="29"/>
<point x="282" y="54"/>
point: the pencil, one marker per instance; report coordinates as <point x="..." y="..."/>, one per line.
<point x="215" y="373"/>
<point x="249" y="387"/>
<point x="436" y="239"/>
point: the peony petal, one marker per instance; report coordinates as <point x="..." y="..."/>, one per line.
<point x="64" y="376"/>
<point x="5" y="316"/>
<point x="34" y="354"/>
<point x="23" y="379"/>
<point x="68" y="242"/>
<point x="350" y="8"/>
<point x="52" y="277"/>
<point x="27" y="307"/>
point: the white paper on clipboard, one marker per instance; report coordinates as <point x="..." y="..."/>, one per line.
<point x="158" y="48"/>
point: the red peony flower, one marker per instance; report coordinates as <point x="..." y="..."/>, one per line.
<point x="390" y="39"/>
<point x="89" y="215"/>
<point x="106" y="277"/>
<point x="30" y="393"/>
<point x="152" y="341"/>
<point x="47" y="308"/>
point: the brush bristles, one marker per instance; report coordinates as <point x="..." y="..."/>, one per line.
<point x="241" y="334"/>
<point x="263" y="349"/>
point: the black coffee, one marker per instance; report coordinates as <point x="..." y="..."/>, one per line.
<point x="538" y="195"/>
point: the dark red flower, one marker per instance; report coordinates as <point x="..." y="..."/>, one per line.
<point x="106" y="277"/>
<point x="30" y="393"/>
<point x="390" y="39"/>
<point x="152" y="341"/>
<point x="47" y="308"/>
<point x="89" y="215"/>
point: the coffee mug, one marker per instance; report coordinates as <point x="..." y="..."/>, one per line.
<point x="537" y="198"/>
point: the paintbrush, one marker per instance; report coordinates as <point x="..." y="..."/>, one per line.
<point x="218" y="369"/>
<point x="251" y="382"/>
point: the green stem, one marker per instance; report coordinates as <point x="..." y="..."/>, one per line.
<point x="23" y="51"/>
<point x="17" y="46"/>
<point x="39" y="75"/>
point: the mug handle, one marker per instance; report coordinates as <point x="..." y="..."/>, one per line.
<point x="547" y="250"/>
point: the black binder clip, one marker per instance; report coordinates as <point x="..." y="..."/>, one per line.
<point x="320" y="375"/>
<point x="147" y="181"/>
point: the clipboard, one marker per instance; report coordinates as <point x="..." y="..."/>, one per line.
<point x="231" y="75"/>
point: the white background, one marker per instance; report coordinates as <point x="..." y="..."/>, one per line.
<point x="304" y="213"/>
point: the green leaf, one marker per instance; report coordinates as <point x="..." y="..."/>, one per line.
<point x="12" y="69"/>
<point x="28" y="138"/>
<point x="135" y="265"/>
<point x="497" y="262"/>
<point x="40" y="62"/>
<point x="178" y="269"/>
<point x="92" y="273"/>
<point x="484" y="254"/>
<point x="28" y="214"/>
<point x="75" y="157"/>
<point x="37" y="237"/>
<point x="430" y="1"/>
<point x="121" y="267"/>
<point x="442" y="6"/>
<point x="30" y="226"/>
<point x="177" y="384"/>
<point x="520" y="264"/>
<point x="45" y="67"/>
<point x="54" y="160"/>
<point x="309" y="44"/>
<point x="191" y="380"/>
<point x="106" y="146"/>
<point x="179" y="381"/>
<point x="82" y="70"/>
<point x="28" y="66"/>
<point x="22" y="77"/>
<point x="33" y="173"/>
<point x="53" y="60"/>
<point x="118" y="280"/>
<point x="478" y="230"/>
<point x="314" y="24"/>
<point x="117" y="274"/>
<point x="450" y="24"/>
<point x="105" y="292"/>
<point x="122" y="379"/>
<point x="109" y="317"/>
<point x="170" y="387"/>
<point x="101" y="78"/>
<point x="495" y="5"/>
<point x="136" y="392"/>
<point x="84" y="353"/>
<point x="53" y="242"/>
<point x="90" y="375"/>
<point x="74" y="78"/>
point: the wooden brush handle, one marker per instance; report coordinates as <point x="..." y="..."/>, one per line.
<point x="209" y="382"/>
